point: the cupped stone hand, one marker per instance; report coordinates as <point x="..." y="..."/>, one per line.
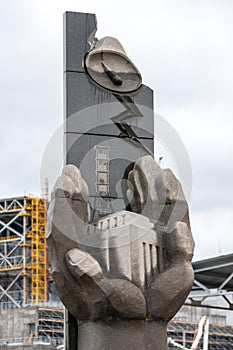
<point x="158" y="195"/>
<point x="129" y="265"/>
<point x="80" y="280"/>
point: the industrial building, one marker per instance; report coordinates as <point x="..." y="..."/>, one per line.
<point x="32" y="325"/>
<point x="220" y="336"/>
<point x="212" y="297"/>
<point x="25" y="284"/>
<point x="32" y="317"/>
<point x="23" y="252"/>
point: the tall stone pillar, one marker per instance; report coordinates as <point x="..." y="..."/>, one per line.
<point x="97" y="120"/>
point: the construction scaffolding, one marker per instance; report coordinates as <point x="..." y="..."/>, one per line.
<point x="184" y="333"/>
<point x="51" y="324"/>
<point x="23" y="252"/>
<point x="31" y="325"/>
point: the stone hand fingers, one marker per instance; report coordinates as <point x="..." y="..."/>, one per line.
<point x="149" y="192"/>
<point x="157" y="194"/>
<point x="176" y="207"/>
<point x="69" y="204"/>
<point x="68" y="215"/>
<point x="71" y="184"/>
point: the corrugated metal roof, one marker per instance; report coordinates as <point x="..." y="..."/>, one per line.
<point x="214" y="271"/>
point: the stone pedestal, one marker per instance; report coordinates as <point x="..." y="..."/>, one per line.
<point x="122" y="334"/>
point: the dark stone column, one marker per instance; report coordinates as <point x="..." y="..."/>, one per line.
<point x="122" y="334"/>
<point x="88" y="113"/>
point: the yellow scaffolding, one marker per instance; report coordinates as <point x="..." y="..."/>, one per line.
<point x="23" y="258"/>
<point x="39" y="251"/>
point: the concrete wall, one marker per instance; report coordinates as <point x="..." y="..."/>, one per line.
<point x="14" y="323"/>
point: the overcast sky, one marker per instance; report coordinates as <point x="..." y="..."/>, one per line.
<point x="184" y="51"/>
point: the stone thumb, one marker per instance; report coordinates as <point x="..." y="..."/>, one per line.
<point x="81" y="264"/>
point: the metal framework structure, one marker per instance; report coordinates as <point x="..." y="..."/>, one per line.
<point x="51" y="324"/>
<point x="213" y="278"/>
<point x="23" y="252"/>
<point x="46" y="327"/>
<point x="184" y="333"/>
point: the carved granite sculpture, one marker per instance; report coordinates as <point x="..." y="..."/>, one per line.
<point x="128" y="274"/>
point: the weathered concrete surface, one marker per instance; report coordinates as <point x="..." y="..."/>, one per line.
<point x="14" y="322"/>
<point x="122" y="334"/>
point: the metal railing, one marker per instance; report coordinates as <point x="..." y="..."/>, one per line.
<point x="50" y="304"/>
<point x="43" y="340"/>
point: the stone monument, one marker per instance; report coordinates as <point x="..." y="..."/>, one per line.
<point x="121" y="259"/>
